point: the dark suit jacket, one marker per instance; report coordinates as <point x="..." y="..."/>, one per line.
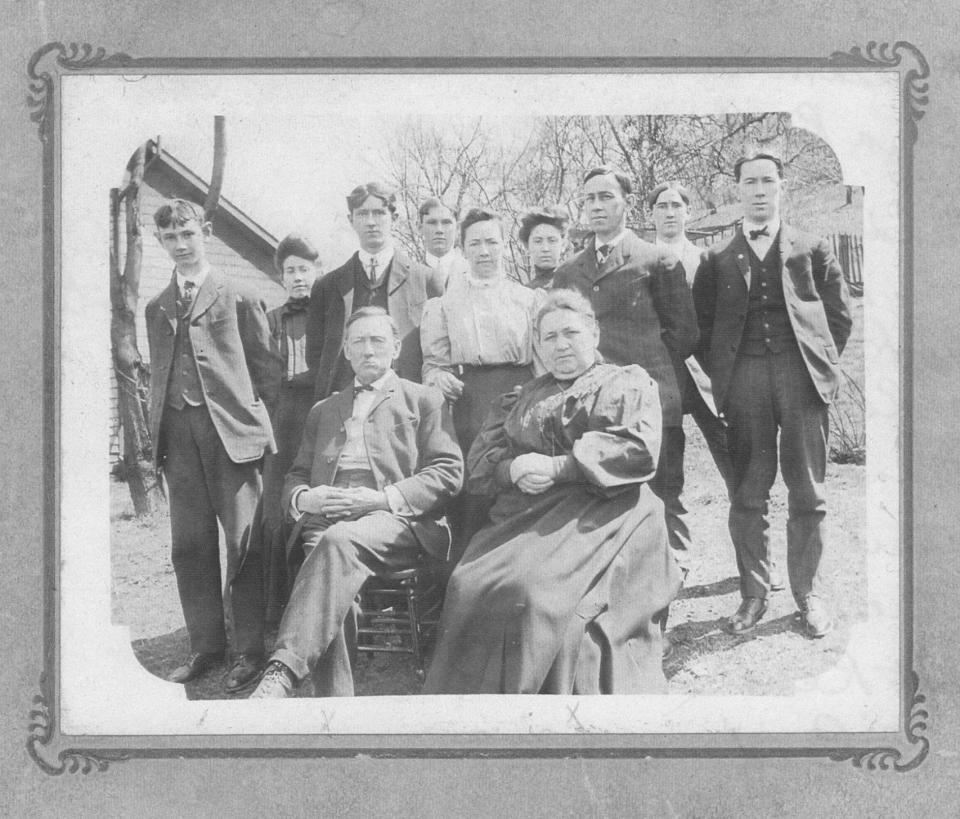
<point x="817" y="304"/>
<point x="412" y="447"/>
<point x="644" y="310"/>
<point x="331" y="303"/>
<point x="236" y="360"/>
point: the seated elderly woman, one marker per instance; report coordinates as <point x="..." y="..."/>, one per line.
<point x="559" y="593"/>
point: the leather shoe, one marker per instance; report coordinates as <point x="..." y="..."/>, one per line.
<point x="816" y="616"/>
<point x="197" y="663"/>
<point x="277" y="683"/>
<point x="246" y="669"/>
<point x="748" y="615"/>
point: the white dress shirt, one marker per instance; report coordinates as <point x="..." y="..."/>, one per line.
<point x="761" y="244"/>
<point x="197" y="279"/>
<point x="384" y="257"/>
<point x="354" y="454"/>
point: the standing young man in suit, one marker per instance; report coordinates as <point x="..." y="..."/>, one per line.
<point x="213" y="372"/>
<point x="438" y="230"/>
<point x="669" y="204"/>
<point x="773" y="314"/>
<point x="645" y="314"/>
<point x="377" y="463"/>
<point x="377" y="275"/>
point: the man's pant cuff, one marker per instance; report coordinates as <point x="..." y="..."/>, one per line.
<point x="292" y="661"/>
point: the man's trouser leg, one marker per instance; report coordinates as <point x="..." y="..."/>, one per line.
<point x="339" y="558"/>
<point x="753" y="440"/>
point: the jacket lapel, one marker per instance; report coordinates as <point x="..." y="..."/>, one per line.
<point x="345" y="286"/>
<point x="787" y="236"/>
<point x="398" y="273"/>
<point x="208" y="293"/>
<point x="741" y="255"/>
<point x="168" y="303"/>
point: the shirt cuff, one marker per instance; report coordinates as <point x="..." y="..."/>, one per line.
<point x="565" y="468"/>
<point x="397" y="503"/>
<point x="295" y="512"/>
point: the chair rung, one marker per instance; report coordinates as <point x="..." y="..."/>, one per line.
<point x="386" y="649"/>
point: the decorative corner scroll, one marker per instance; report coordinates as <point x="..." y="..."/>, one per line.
<point x="915" y="86"/>
<point x="68" y="760"/>
<point x="886" y="758"/>
<point x="75" y="56"/>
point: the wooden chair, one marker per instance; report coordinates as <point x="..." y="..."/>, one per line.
<point x="399" y="613"/>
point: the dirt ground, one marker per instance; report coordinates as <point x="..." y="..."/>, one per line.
<point x="705" y="660"/>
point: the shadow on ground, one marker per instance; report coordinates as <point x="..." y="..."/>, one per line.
<point x="373" y="674"/>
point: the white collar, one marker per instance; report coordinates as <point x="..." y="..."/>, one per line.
<point x="197" y="278"/>
<point x="380" y="383"/>
<point x="384" y="257"/>
<point x="484" y="284"/>
<point x="772" y="226"/>
<point x="439" y="261"/>
<point x="676" y="245"/>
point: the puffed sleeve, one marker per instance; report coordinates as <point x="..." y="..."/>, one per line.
<point x="622" y="442"/>
<point x="490" y="456"/>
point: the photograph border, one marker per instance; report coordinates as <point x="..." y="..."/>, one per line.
<point x="56" y="753"/>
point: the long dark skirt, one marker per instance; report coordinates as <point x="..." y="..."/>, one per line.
<point x="293" y="407"/>
<point x="482" y="387"/>
<point x="558" y="595"/>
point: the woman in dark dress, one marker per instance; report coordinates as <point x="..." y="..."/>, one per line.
<point x="543" y="236"/>
<point x="558" y="594"/>
<point x="299" y="263"/>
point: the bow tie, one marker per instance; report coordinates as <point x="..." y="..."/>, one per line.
<point x="602" y="253"/>
<point x="359" y="388"/>
<point x="755" y="234"/>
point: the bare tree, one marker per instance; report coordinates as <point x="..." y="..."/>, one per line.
<point x="132" y="374"/>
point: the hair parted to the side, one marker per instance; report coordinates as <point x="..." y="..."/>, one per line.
<point x="626" y="186"/>
<point x="294" y="245"/>
<point x="371" y="312"/>
<point x="177" y="212"/>
<point x="380" y="190"/>
<point x="565" y="299"/>
<point x="549" y="215"/>
<point x="432" y="202"/>
<point x="668" y="186"/>
<point x="738" y="165"/>
<point x="475" y="215"/>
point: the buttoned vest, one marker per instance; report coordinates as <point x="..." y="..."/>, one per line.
<point x="767" y="326"/>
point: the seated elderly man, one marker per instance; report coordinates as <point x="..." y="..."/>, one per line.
<point x="375" y="467"/>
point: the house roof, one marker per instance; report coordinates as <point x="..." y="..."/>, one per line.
<point x="156" y="154"/>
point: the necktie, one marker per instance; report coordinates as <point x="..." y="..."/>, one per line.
<point x="602" y="253"/>
<point x="186" y="297"/>
<point x="755" y="234"/>
<point x="359" y="388"/>
<point x="373" y="270"/>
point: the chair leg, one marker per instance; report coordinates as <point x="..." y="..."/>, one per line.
<point x="412" y="614"/>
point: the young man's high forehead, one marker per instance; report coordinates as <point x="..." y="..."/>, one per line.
<point x="759" y="167"/>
